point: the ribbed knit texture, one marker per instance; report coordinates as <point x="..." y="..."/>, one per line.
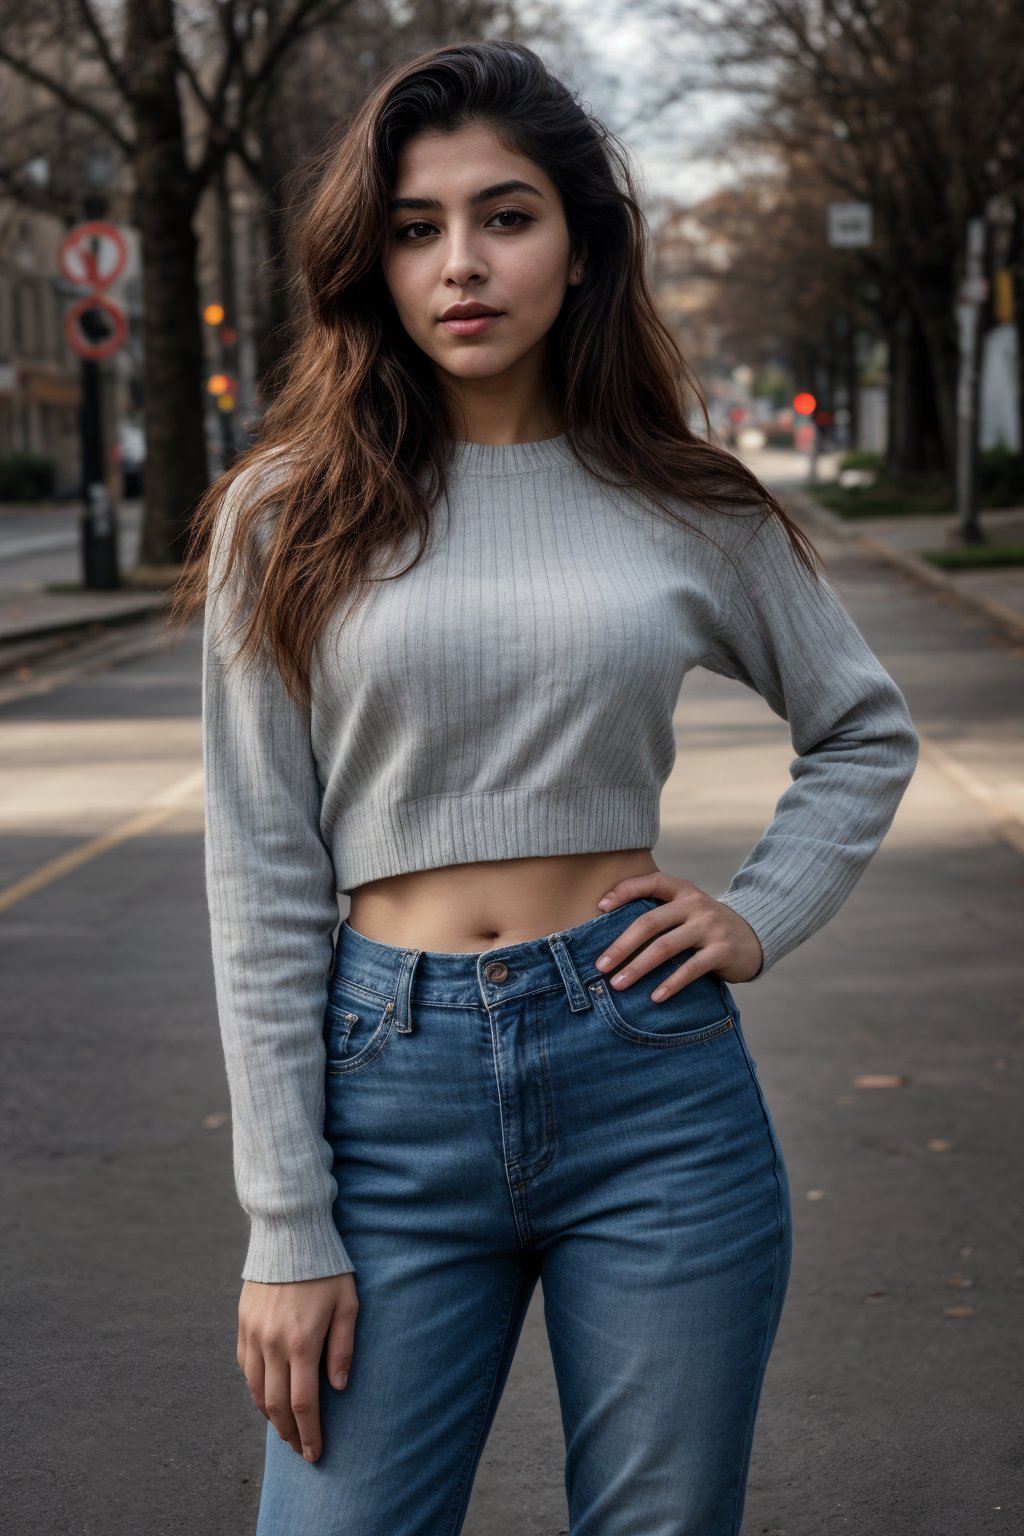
<point x="510" y="696"/>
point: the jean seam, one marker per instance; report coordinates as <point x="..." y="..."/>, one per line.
<point x="675" y="1041"/>
<point x="475" y="1444"/>
<point x="768" y="1338"/>
<point x="531" y="1170"/>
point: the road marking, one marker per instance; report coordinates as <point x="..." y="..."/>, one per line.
<point x="160" y="808"/>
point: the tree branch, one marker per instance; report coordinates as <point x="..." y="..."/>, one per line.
<point x="76" y="103"/>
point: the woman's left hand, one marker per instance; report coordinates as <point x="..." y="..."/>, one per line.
<point x="687" y="919"/>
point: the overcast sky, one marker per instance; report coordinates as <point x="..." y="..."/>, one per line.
<point x="622" y="64"/>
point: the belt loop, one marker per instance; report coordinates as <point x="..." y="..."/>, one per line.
<point x="403" y="991"/>
<point x="579" y="998"/>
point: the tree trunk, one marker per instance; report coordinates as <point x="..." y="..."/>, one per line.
<point x="176" y="470"/>
<point x="228" y="296"/>
<point x="273" y="305"/>
<point x="943" y="346"/>
<point x="915" y="437"/>
<point x="1015" y="262"/>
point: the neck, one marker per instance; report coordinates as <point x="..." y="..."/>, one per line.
<point x="500" y="411"/>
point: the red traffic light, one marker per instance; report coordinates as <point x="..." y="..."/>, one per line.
<point x="804" y="403"/>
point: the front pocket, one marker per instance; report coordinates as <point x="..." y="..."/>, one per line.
<point x="695" y="1014"/>
<point x="357" y="1025"/>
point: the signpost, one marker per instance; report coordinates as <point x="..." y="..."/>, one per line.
<point x="973" y="293"/>
<point x="92" y="256"/>
<point x="849" y="227"/>
<point x="804" y="404"/>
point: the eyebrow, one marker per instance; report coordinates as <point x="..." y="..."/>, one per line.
<point x="500" y="189"/>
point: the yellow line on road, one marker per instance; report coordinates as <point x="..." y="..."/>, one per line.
<point x="160" y="808"/>
<point x="1005" y="816"/>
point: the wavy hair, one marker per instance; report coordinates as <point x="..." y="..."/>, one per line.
<point x="359" y="429"/>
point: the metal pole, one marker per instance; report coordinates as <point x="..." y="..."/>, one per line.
<point x="972" y="295"/>
<point x="98" y="525"/>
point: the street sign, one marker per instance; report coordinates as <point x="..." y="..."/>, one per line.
<point x="849" y="224"/>
<point x="93" y="254"/>
<point x="101" y="334"/>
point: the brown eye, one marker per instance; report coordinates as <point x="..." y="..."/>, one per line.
<point x="402" y="233"/>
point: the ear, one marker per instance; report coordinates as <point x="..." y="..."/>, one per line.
<point x="578" y="264"/>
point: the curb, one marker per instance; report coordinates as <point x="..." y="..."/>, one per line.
<point x="1006" y="620"/>
<point x="17" y="647"/>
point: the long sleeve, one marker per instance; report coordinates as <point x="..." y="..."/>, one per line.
<point x="273" y="908"/>
<point x="786" y="635"/>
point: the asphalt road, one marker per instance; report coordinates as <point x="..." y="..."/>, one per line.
<point x="888" y="1409"/>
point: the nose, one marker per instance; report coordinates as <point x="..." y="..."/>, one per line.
<point x="463" y="263"/>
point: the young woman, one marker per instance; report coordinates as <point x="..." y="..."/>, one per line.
<point x="474" y="553"/>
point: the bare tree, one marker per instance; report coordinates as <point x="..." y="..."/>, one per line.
<point x="172" y="91"/>
<point x="173" y="88"/>
<point x="914" y="106"/>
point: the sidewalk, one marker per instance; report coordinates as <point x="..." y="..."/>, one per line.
<point x="35" y="623"/>
<point x="42" y="541"/>
<point x="996" y="593"/>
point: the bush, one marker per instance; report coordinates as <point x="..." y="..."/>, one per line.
<point x="860" y="458"/>
<point x="1000" y="476"/>
<point x="27" y="477"/>
<point x="976" y="556"/>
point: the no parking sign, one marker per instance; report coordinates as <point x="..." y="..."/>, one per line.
<point x="94" y="254"/>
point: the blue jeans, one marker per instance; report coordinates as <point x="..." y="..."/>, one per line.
<point x="502" y="1116"/>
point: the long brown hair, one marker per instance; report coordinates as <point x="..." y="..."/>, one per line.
<point x="359" y="429"/>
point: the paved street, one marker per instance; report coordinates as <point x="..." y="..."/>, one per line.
<point x="892" y="1401"/>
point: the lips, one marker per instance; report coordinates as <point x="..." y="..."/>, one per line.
<point x="468" y="311"/>
<point x="470" y="319"/>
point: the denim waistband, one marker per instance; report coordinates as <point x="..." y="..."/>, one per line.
<point x="489" y="976"/>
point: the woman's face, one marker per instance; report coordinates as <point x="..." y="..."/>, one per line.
<point x="460" y="233"/>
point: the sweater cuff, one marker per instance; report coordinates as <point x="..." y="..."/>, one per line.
<point x="755" y="909"/>
<point x="306" y="1247"/>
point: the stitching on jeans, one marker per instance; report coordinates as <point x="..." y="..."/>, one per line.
<point x="779" y="1243"/>
<point x="627" y="1031"/>
<point x="510" y="997"/>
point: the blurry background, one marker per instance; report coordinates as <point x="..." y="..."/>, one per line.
<point x="835" y="190"/>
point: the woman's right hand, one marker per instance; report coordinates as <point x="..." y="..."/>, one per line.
<point x="281" y="1329"/>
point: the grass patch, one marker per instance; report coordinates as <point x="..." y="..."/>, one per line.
<point x="141" y="578"/>
<point x="151" y="578"/>
<point x="975" y="556"/>
<point x="880" y="500"/>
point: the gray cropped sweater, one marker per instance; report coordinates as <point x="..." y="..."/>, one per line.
<point x="511" y="696"/>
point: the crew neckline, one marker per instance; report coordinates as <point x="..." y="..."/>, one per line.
<point x="470" y="458"/>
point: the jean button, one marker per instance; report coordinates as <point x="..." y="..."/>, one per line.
<point x="496" y="970"/>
